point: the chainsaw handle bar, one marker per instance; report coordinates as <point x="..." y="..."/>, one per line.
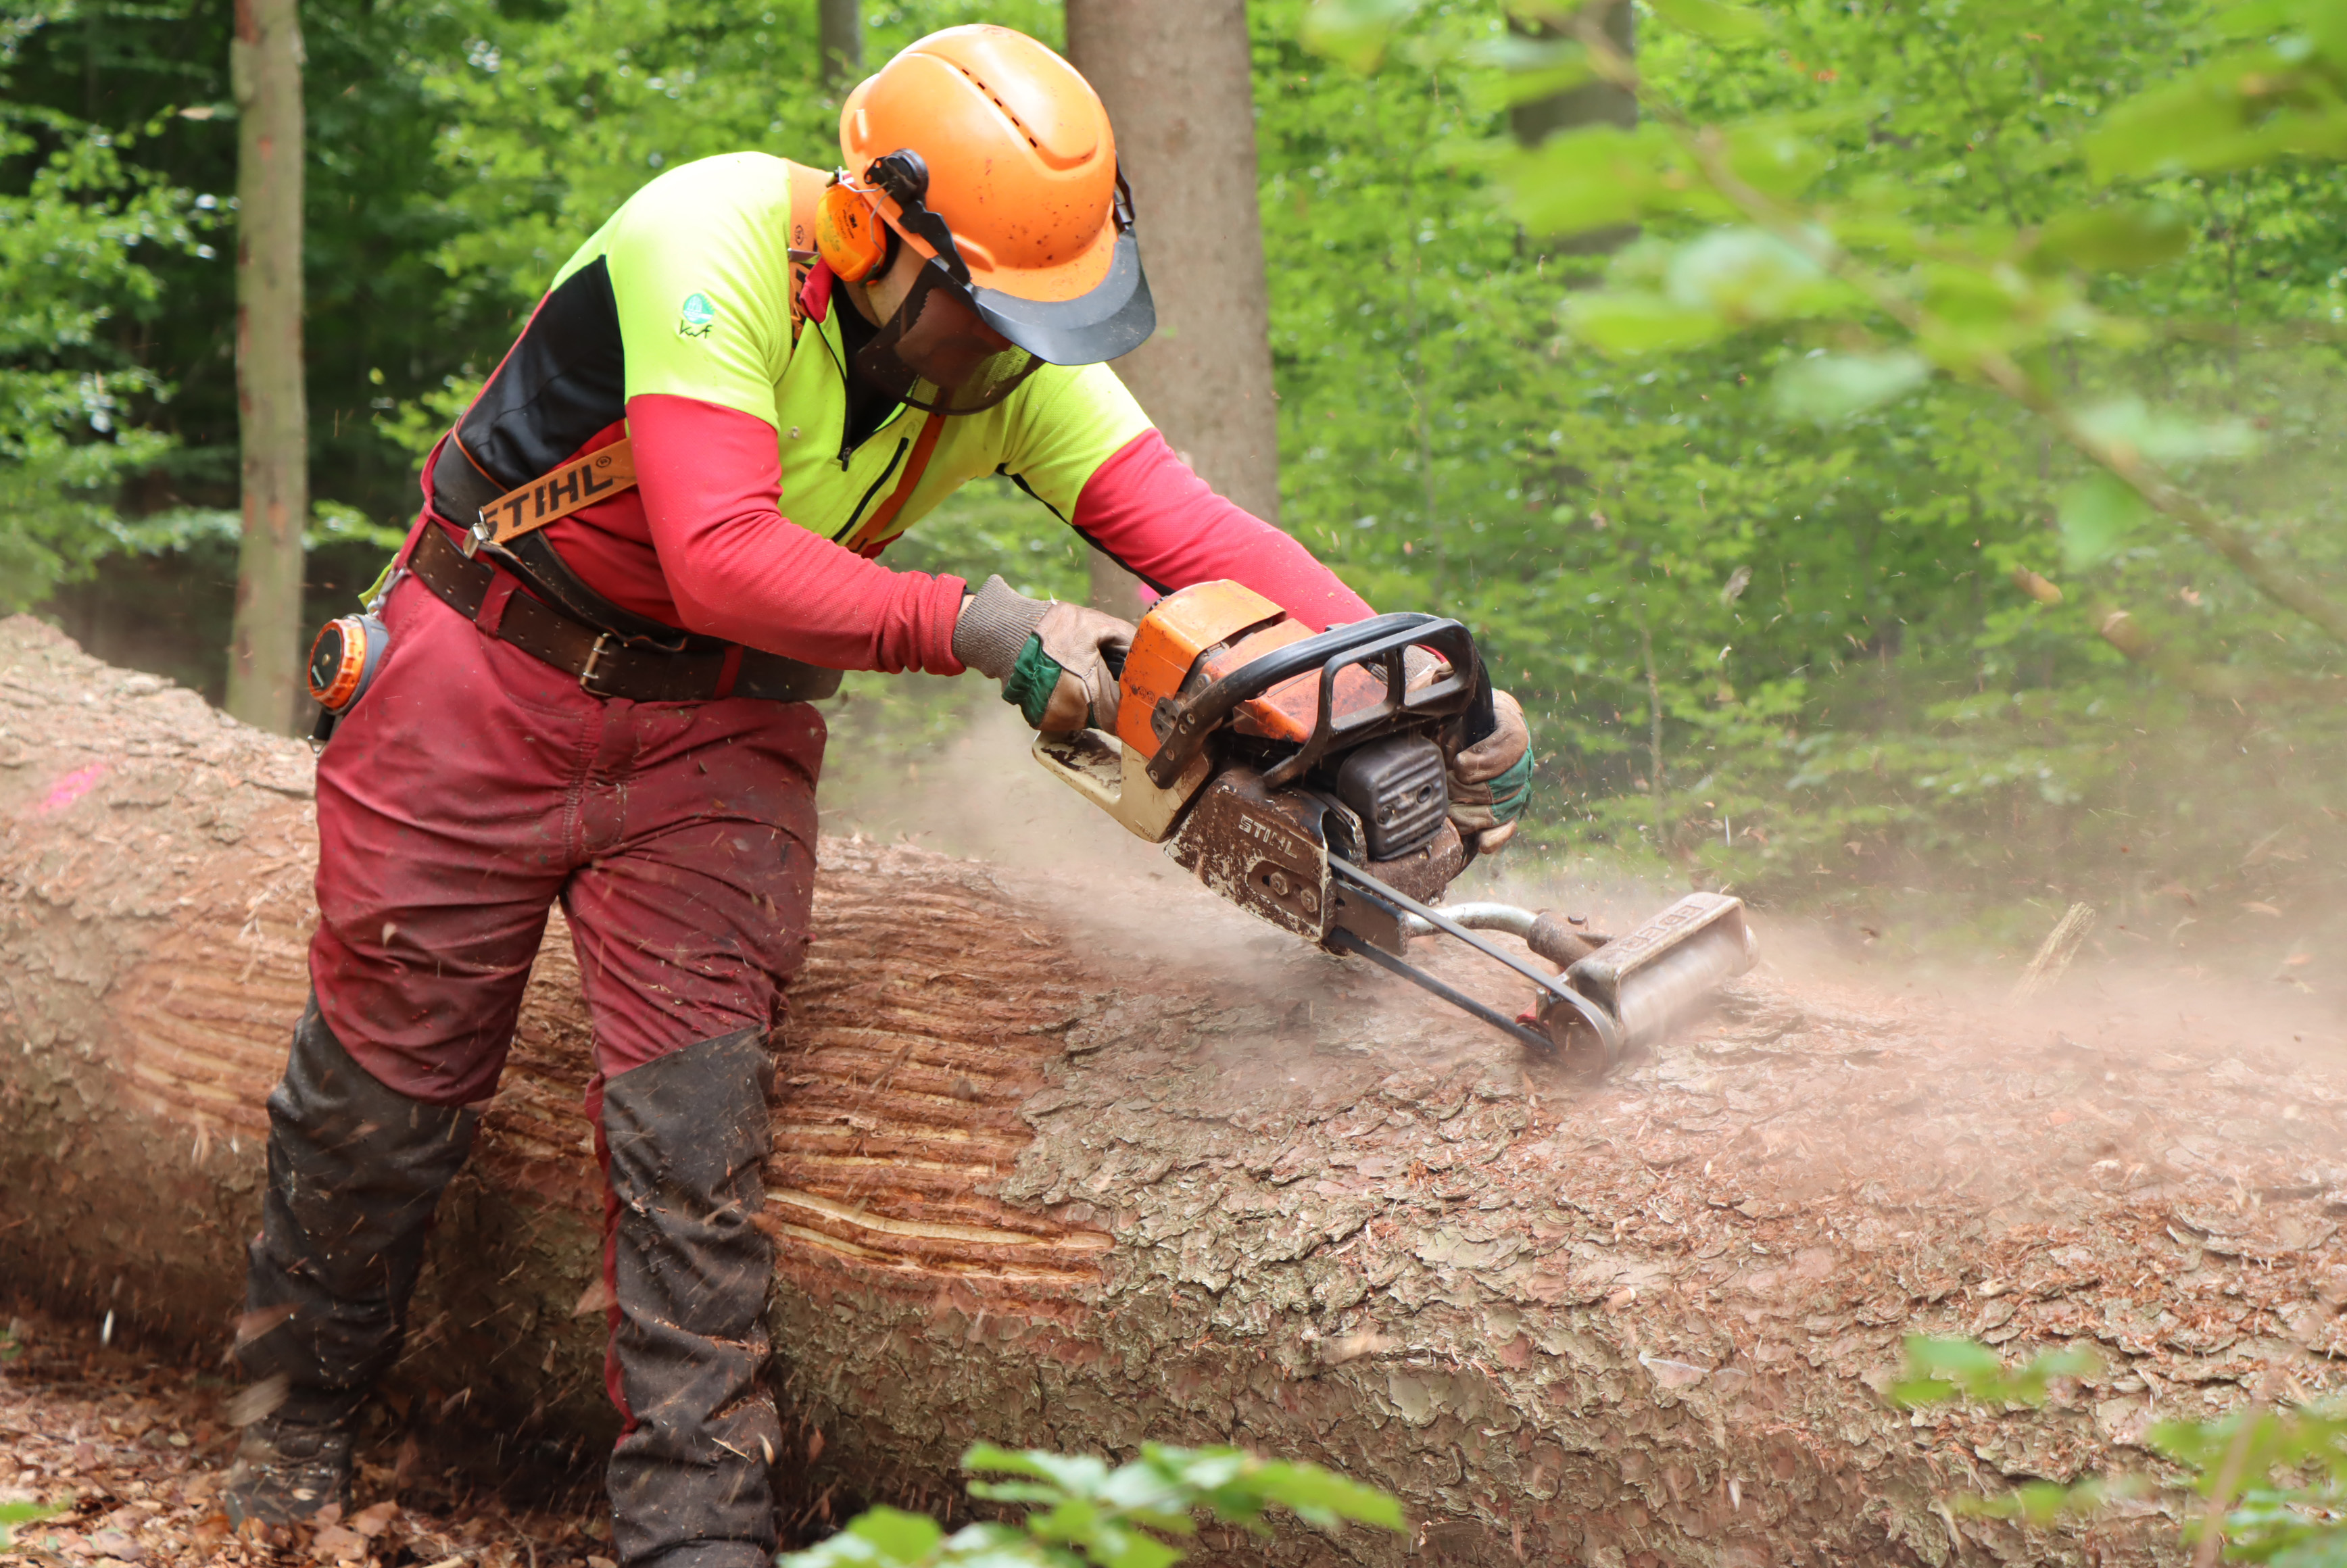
<point x="1381" y="638"/>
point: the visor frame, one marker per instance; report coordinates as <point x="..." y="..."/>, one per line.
<point x="1107" y="321"/>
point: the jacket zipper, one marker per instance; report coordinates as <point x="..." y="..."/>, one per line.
<point x="857" y="516"/>
<point x="848" y="449"/>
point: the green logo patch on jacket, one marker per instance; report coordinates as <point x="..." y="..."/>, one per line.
<point x="696" y="316"/>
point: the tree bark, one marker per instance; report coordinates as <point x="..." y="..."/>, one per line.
<point x="273" y="421"/>
<point x="840" y="32"/>
<point x="1079" y="1170"/>
<point x="1178" y="81"/>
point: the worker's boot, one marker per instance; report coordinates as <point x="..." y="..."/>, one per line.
<point x="687" y="1134"/>
<point x="355" y="1170"/>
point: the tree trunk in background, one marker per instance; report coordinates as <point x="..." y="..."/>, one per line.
<point x="1081" y="1162"/>
<point x="1591" y="103"/>
<point x="264" y="643"/>
<point x="840" y="39"/>
<point x="1178" y="81"/>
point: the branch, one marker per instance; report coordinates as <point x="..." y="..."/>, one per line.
<point x="2119" y="629"/>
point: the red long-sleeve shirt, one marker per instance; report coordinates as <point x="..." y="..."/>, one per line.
<point x="703" y="544"/>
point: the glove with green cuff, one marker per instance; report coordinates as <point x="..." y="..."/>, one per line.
<point x="1053" y="658"/>
<point x="1490" y="780"/>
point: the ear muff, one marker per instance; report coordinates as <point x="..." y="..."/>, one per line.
<point x="848" y="233"/>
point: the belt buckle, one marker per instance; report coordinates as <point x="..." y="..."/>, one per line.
<point x="482" y="532"/>
<point x="594" y="658"/>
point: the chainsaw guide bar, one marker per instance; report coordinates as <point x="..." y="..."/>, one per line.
<point x="1300" y="776"/>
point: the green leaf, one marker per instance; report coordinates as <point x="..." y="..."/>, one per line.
<point x="2239" y="111"/>
<point x="1354" y="32"/>
<point x="1035" y="1491"/>
<point x="991" y="1545"/>
<point x="2255" y="20"/>
<point x="1527" y="68"/>
<point x="1831" y="388"/>
<point x="2119" y="239"/>
<point x="2165" y="438"/>
<point x="1633" y="323"/>
<point x="1747" y="275"/>
<point x="1598" y="176"/>
<point x="16" y="1513"/>
<point x="2098" y="513"/>
<point x="1323" y="1497"/>
<point x="899" y="1536"/>
<point x="1712" y="20"/>
<point x="2169" y="127"/>
<point x="1080" y="1474"/>
<point x="1780" y="156"/>
<point x="1114" y="1546"/>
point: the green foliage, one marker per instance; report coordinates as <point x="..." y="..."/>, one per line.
<point x="556" y="113"/>
<point x="2282" y="1477"/>
<point x="14" y="1515"/>
<point x="2276" y="1478"/>
<point x="74" y="244"/>
<point x="1080" y="1511"/>
<point x="1887" y="332"/>
<point x="1941" y="1370"/>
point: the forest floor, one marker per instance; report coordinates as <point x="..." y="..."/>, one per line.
<point x="130" y="1444"/>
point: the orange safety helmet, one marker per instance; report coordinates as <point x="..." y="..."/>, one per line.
<point x="992" y="157"/>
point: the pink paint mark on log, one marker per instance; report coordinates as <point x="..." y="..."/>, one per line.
<point x="70" y="788"/>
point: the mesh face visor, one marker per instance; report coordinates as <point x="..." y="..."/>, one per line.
<point x="985" y="341"/>
<point x="969" y="366"/>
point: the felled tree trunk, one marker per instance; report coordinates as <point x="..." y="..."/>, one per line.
<point x="1084" y="1179"/>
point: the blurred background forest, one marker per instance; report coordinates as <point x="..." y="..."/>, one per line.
<point x="1852" y="656"/>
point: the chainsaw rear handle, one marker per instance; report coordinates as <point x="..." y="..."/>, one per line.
<point x="1381" y="638"/>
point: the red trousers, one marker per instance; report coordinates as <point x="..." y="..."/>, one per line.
<point x="472" y="786"/>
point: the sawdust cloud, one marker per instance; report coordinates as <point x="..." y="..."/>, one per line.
<point x="981" y="794"/>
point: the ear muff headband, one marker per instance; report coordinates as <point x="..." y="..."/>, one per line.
<point x="848" y="232"/>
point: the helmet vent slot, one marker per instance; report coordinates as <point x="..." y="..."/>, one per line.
<point x="1008" y="112"/>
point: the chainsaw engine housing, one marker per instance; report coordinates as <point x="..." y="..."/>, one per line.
<point x="1398" y="788"/>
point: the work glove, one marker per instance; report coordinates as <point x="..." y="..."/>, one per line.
<point x="1490" y="780"/>
<point x="1053" y="658"/>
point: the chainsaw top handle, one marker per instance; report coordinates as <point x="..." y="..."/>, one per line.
<point x="1382" y="641"/>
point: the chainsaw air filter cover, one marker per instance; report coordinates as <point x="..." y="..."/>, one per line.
<point x="1396" y="787"/>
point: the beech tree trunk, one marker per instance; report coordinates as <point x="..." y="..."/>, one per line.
<point x="840" y="32"/>
<point x="1535" y="121"/>
<point x="1179" y="83"/>
<point x="272" y="400"/>
<point x="1081" y="1176"/>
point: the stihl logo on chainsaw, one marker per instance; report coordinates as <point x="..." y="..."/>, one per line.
<point x="1254" y="829"/>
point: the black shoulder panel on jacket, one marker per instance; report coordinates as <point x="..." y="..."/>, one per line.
<point x="565" y="379"/>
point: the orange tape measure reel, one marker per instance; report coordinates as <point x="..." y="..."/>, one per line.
<point x="344" y="661"/>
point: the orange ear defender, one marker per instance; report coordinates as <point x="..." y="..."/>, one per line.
<point x="848" y="232"/>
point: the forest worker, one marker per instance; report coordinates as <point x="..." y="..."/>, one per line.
<point x="612" y="709"/>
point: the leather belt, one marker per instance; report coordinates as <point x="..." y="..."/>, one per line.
<point x="607" y="664"/>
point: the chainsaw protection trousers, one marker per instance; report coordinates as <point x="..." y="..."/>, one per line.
<point x="355" y="1170"/>
<point x="685" y="1137"/>
<point x="469" y="790"/>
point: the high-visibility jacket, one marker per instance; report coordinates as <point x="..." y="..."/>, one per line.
<point x="698" y="322"/>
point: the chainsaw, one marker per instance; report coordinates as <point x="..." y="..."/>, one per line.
<point x="1300" y="776"/>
